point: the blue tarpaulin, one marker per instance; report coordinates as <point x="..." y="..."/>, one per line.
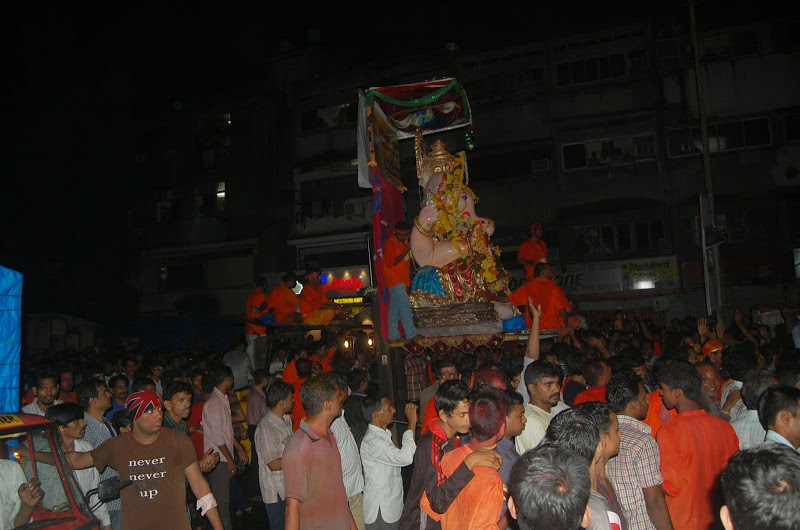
<point x="10" y="336"/>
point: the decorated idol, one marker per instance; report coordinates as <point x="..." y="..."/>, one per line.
<point x="459" y="273"/>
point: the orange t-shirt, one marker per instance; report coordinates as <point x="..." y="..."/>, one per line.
<point x="311" y="299"/>
<point x="283" y="302"/>
<point x="395" y="274"/>
<point x="298" y="412"/>
<point x="533" y="251"/>
<point x="254" y="299"/>
<point x="480" y="503"/>
<point x="549" y="295"/>
<point x="290" y="373"/>
<point x="695" y="448"/>
<point x="591" y="394"/>
<point x="654" y="413"/>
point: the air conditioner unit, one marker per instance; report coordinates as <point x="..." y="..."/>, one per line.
<point x="540" y="164"/>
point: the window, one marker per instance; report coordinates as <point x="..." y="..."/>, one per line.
<point x="595" y="240"/>
<point x="611" y="151"/>
<point x="791" y="128"/>
<point x="175" y="277"/>
<point x="785" y="36"/>
<point x="503" y="85"/>
<point x="590" y="70"/>
<point x="683" y="143"/>
<point x="638" y="61"/>
<point x="723" y="136"/>
<point x="574" y="156"/>
<point x="729" y="136"/>
<point x="624" y="236"/>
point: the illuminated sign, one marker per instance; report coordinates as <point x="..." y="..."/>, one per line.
<point x="342" y="284"/>
<point x="356" y="300"/>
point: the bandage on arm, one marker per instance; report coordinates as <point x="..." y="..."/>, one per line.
<point x="206" y="502"/>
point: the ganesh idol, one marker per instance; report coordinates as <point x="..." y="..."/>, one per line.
<point x="451" y="244"/>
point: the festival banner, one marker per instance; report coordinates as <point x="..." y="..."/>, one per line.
<point x="387" y="151"/>
<point x="387" y="209"/>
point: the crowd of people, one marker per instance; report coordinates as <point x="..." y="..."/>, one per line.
<point x="618" y="425"/>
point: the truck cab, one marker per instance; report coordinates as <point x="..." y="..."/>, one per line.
<point x="30" y="444"/>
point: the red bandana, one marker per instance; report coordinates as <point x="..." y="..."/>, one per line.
<point x="141" y="401"/>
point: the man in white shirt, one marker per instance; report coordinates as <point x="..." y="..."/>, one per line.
<point x="18" y="498"/>
<point x="46" y="390"/>
<point x="271" y="436"/>
<point x="542" y="381"/>
<point x="239" y="361"/>
<point x="779" y="413"/>
<point x="748" y="428"/>
<point x="352" y="473"/>
<point x="382" y="460"/>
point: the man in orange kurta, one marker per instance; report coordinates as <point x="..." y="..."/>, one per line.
<point x="695" y="448"/>
<point x="283" y="302"/>
<point x="546" y="293"/>
<point x="532" y="251"/>
<point x="315" y="306"/>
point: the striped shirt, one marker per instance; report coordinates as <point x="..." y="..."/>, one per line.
<point x="97" y="433"/>
<point x="637" y="466"/>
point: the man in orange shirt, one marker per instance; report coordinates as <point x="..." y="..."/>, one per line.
<point x="255" y="307"/>
<point x="315" y="306"/>
<point x="532" y="251"/>
<point x="283" y="302"/>
<point x="544" y="292"/>
<point x="396" y="275"/>
<point x="695" y="448"/>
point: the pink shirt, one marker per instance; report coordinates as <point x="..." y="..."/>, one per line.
<point x="312" y="473"/>
<point x="217" y="423"/>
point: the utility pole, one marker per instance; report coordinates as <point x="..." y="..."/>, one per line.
<point x="713" y="285"/>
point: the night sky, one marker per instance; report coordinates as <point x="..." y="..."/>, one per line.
<point x="81" y="77"/>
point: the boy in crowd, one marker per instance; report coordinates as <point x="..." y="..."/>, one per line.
<point x="549" y="488"/>
<point x="452" y="404"/>
<point x="480" y="503"/>
<point x="694" y="446"/>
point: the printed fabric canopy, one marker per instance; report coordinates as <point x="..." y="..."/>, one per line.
<point x="433" y="105"/>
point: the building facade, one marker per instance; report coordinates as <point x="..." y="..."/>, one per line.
<point x="597" y="136"/>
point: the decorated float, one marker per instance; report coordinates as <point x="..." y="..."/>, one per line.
<point x="459" y="281"/>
